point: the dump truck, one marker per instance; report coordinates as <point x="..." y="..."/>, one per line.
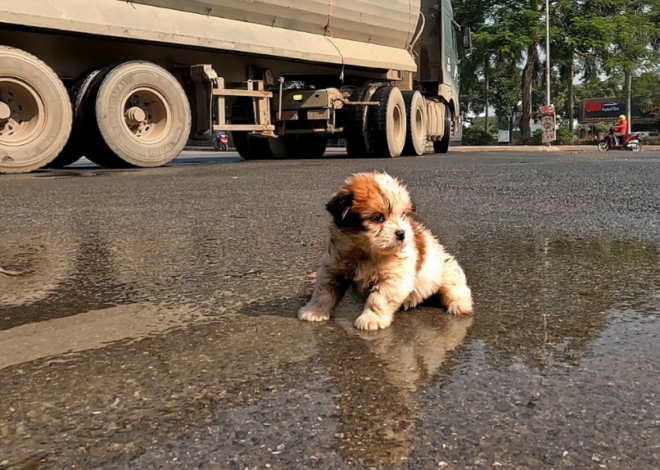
<point x="128" y="83"/>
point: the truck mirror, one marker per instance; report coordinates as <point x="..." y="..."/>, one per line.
<point x="467" y="38"/>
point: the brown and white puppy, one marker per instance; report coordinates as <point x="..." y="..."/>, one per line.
<point x="375" y="243"/>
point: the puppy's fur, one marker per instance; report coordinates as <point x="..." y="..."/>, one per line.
<point x="375" y="243"/>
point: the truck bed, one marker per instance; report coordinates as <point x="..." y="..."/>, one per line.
<point x="302" y="37"/>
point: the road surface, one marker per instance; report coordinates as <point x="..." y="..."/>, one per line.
<point x="147" y="319"/>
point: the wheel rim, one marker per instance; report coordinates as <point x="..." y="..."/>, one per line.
<point x="419" y="122"/>
<point x="147" y="115"/>
<point x="22" y="112"/>
<point x="398" y="125"/>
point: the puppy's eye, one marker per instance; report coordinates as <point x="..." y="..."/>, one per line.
<point x="378" y="218"/>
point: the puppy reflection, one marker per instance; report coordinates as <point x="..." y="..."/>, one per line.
<point x="375" y="243"/>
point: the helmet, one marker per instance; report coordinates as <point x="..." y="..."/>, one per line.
<point x="623" y="118"/>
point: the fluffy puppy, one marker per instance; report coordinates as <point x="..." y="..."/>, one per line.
<point x="376" y="244"/>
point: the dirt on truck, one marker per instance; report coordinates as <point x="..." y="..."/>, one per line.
<point x="128" y="84"/>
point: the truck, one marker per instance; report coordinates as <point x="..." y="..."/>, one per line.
<point x="128" y="83"/>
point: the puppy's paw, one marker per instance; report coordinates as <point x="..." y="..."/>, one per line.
<point x="461" y="306"/>
<point x="311" y="313"/>
<point x="370" y="321"/>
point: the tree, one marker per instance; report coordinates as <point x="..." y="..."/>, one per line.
<point x="619" y="38"/>
<point x="646" y="90"/>
<point x="634" y="39"/>
<point x="505" y="87"/>
<point x="475" y="94"/>
<point x="578" y="37"/>
<point x="513" y="33"/>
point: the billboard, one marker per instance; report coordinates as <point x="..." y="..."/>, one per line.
<point x="602" y="110"/>
<point x="549" y="124"/>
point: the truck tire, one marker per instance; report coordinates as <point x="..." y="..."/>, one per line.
<point x="251" y="148"/>
<point x="141" y="117"/>
<point x="416" y="114"/>
<point x="387" y="124"/>
<point x="73" y="150"/>
<point x="356" y="135"/>
<point x="35" y="112"/>
<point x="442" y="145"/>
<point x="308" y="146"/>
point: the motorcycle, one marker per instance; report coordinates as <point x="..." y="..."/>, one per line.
<point x="221" y="142"/>
<point x="628" y="142"/>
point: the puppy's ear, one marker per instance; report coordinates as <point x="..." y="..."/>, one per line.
<point x="340" y="207"/>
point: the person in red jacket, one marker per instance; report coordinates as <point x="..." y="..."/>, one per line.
<point x="620" y="129"/>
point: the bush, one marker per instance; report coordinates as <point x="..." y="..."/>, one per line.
<point x="535" y="139"/>
<point x="651" y="141"/>
<point x="565" y="136"/>
<point x="472" y="136"/>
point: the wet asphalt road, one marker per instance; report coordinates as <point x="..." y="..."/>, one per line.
<point x="151" y="321"/>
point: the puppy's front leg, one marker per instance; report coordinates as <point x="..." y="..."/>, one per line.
<point x="330" y="286"/>
<point x="455" y="294"/>
<point x="385" y="299"/>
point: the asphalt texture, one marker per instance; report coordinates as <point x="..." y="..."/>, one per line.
<point x="148" y="319"/>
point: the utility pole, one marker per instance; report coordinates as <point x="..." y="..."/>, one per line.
<point x="547" y="51"/>
<point x="628" y="85"/>
<point x="547" y="56"/>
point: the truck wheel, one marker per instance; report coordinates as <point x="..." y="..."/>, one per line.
<point x="251" y="148"/>
<point x="141" y="117"/>
<point x="416" y="114"/>
<point x="35" y="112"/>
<point x="442" y="145"/>
<point x="73" y="150"/>
<point x="387" y="124"/>
<point x="357" y="139"/>
<point x="308" y="146"/>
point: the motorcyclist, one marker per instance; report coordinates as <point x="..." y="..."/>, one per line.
<point x="620" y="129"/>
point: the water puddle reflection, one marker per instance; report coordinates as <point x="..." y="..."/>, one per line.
<point x="157" y="356"/>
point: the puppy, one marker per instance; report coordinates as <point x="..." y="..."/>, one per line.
<point x="376" y="244"/>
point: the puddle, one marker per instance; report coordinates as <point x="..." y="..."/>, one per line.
<point x="64" y="174"/>
<point x="40" y="265"/>
<point x="182" y="351"/>
<point x="85" y="331"/>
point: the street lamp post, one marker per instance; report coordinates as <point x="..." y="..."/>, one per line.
<point x="547" y="51"/>
<point x="547" y="56"/>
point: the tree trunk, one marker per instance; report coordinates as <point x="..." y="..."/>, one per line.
<point x="527" y="79"/>
<point x="628" y="85"/>
<point x="571" y="98"/>
<point x="513" y="113"/>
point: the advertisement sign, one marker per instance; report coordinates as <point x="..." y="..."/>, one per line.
<point x="602" y="110"/>
<point x="548" y="124"/>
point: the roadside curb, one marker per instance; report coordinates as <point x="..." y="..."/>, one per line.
<point x="490" y="149"/>
<point x="205" y="149"/>
<point x="538" y="148"/>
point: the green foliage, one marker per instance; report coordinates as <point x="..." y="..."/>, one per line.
<point x="479" y="122"/>
<point x="535" y="139"/>
<point x="565" y="136"/>
<point x="589" y="38"/>
<point x="598" y="128"/>
<point x="476" y="136"/>
<point x="646" y="90"/>
<point x="652" y="141"/>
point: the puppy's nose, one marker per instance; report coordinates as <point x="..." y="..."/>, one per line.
<point x="400" y="235"/>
